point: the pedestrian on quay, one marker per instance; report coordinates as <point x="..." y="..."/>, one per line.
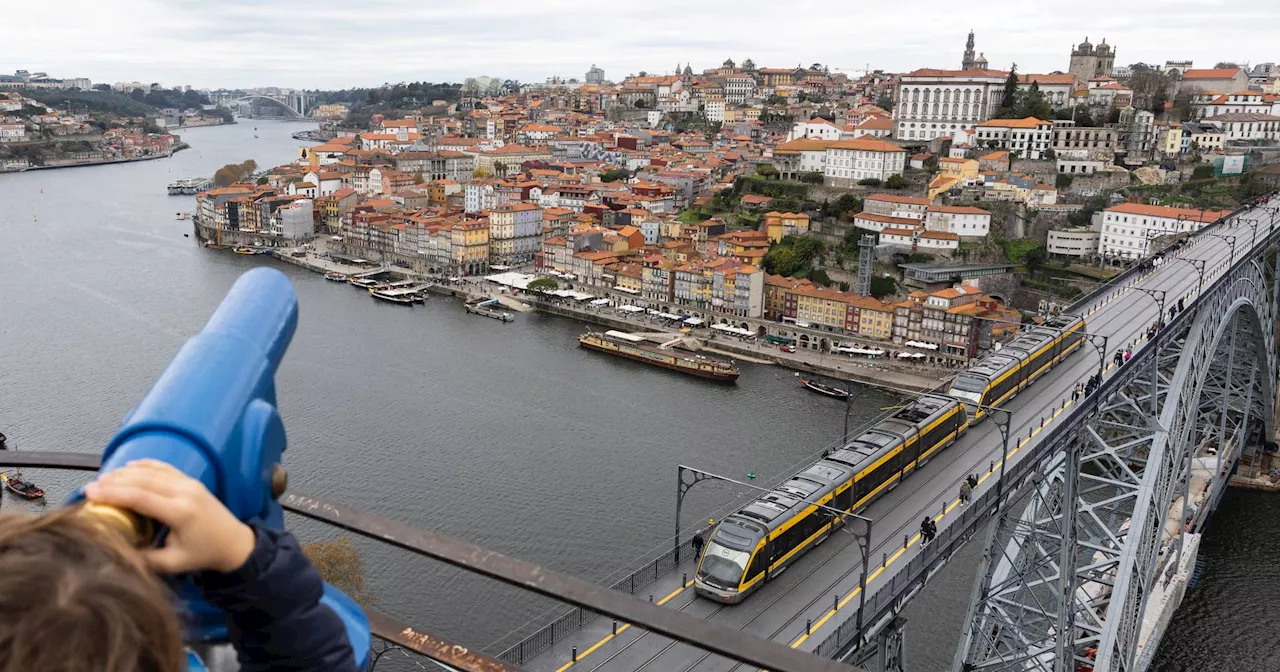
<point x="965" y="489"/>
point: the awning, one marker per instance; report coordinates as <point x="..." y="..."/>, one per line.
<point x="730" y="329"/>
<point x="669" y="316"/>
<point x="631" y="309"/>
<point x="693" y="321"/>
<point x="600" y="302"/>
<point x="922" y="345"/>
<point x="910" y="355"/>
<point x="628" y="290"/>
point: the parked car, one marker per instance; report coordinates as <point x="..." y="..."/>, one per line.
<point x="787" y="348"/>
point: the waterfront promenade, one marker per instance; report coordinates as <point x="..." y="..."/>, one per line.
<point x="902" y="377"/>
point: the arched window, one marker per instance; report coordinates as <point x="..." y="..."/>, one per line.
<point x="966" y="110"/>
<point x="955" y="109"/>
<point x="935" y="108"/>
<point x="915" y="95"/>
<point x="946" y="96"/>
<point x="914" y="109"/>
<point x="966" y="95"/>
<point x="926" y="95"/>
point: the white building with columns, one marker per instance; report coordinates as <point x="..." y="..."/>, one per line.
<point x="934" y="103"/>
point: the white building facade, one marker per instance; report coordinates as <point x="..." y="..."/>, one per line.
<point x="933" y="103"/>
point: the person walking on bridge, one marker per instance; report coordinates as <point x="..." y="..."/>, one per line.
<point x="925" y="532"/>
<point x="965" y="490"/>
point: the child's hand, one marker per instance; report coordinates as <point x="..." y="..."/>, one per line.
<point x="202" y="532"/>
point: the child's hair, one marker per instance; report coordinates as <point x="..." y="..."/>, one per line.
<point x="77" y="598"/>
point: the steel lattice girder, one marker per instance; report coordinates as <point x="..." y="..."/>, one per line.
<point x="1123" y="469"/>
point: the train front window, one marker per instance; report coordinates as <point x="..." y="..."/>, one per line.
<point x="723" y="565"/>
<point x="969" y="383"/>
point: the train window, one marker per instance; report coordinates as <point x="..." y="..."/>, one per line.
<point x="843" y="500"/>
<point x="969" y="383"/>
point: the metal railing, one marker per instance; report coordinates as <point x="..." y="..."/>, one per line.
<point x="542" y="638"/>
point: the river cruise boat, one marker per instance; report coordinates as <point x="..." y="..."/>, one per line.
<point x="823" y="388"/>
<point x="335" y="276"/>
<point x="634" y="347"/>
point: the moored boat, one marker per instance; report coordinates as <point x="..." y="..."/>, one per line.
<point x="823" y="388"/>
<point x="244" y="250"/>
<point x="24" y="489"/>
<point x="635" y="348"/>
<point x="480" y="309"/>
<point x="335" y="276"/>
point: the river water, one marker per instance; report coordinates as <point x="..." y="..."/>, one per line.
<point x="507" y="435"/>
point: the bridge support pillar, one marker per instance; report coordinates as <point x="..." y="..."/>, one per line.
<point x="884" y="653"/>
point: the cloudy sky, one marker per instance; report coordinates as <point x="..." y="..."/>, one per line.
<point x="341" y="43"/>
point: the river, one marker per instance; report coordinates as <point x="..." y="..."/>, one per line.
<point x="507" y="435"/>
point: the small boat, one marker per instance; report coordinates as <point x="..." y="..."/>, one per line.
<point x="823" y="388"/>
<point x="481" y="309"/>
<point x="245" y="250"/>
<point x="395" y="296"/>
<point x="24" y="489"/>
<point x="335" y="276"/>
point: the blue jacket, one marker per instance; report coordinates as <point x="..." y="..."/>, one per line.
<point x="275" y="619"/>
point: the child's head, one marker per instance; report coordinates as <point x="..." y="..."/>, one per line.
<point x="75" y="597"/>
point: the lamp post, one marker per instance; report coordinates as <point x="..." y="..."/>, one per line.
<point x="1199" y="265"/>
<point x="1230" y="239"/>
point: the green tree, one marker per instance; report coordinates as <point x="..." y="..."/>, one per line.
<point x="1203" y="172"/>
<point x="766" y="170"/>
<point x="808" y="249"/>
<point x="418" y="178"/>
<point x="500" y="168"/>
<point x="883" y="286"/>
<point x="819" y="277"/>
<point x="811" y="178"/>
<point x="895" y="181"/>
<point x="1009" y="99"/>
<point x="775" y="99"/>
<point x="846" y="206"/>
<point x="869" y="182"/>
<point x="781" y="260"/>
<point x="885" y="102"/>
<point x="844" y="286"/>
<point x="338" y="562"/>
<point x="615" y="174"/>
<point x="1062" y="181"/>
<point x="543" y="285"/>
<point x="1034" y="259"/>
<point x="1032" y="103"/>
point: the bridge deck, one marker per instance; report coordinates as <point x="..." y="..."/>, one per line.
<point x="808" y="591"/>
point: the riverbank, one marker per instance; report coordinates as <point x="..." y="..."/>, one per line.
<point x="841" y="367"/>
<point x="99" y="162"/>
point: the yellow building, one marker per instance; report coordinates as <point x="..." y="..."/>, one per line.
<point x="1173" y="140"/>
<point x="875" y="319"/>
<point x="470" y="242"/>
<point x="779" y="225"/>
<point x="960" y="169"/>
<point x="940" y="184"/>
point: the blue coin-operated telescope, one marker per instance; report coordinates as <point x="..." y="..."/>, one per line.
<point x="212" y="414"/>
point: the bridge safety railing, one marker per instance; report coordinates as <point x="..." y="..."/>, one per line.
<point x="890" y="597"/>
<point x="544" y="637"/>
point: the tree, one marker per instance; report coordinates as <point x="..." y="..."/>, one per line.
<point x="543" y="285"/>
<point x="1010" y="98"/>
<point x="101" y="87"/>
<point x="766" y="170"/>
<point x="885" y="102"/>
<point x="808" y="249"/>
<point x="499" y="168"/>
<point x="1225" y="64"/>
<point x="1032" y="103"/>
<point x="844" y="286"/>
<point x="1062" y="181"/>
<point x="1202" y="172"/>
<point x="819" y="277"/>
<point x="775" y="99"/>
<point x="338" y="561"/>
<point x="811" y="178"/>
<point x="882" y="286"/>
<point x="1150" y="87"/>
<point x="615" y="175"/>
<point x="1034" y="259"/>
<point x="869" y="182"/>
<point x="480" y="172"/>
<point x="895" y="181"/>
<point x="418" y="177"/>
<point x="845" y="206"/>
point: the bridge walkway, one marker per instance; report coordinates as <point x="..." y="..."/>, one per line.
<point x="821" y="589"/>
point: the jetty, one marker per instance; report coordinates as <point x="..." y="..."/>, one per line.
<point x="487" y="309"/>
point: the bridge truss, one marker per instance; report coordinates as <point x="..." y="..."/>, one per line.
<point x="296" y="106"/>
<point x="1076" y="551"/>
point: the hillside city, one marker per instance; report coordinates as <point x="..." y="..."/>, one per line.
<point x="922" y="208"/>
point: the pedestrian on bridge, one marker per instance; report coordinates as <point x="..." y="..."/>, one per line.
<point x="926" y="535"/>
<point x="1118" y="358"/>
<point x="698" y="543"/>
<point x="1127" y="355"/>
<point x="1181" y="307"/>
<point x="965" y="489"/>
<point x="1075" y="391"/>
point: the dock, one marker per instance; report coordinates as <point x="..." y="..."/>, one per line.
<point x="486" y="308"/>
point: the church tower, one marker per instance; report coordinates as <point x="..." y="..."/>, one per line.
<point x="968" y="62"/>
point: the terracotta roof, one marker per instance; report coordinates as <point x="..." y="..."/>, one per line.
<point x="877" y="124"/>
<point x="974" y="72"/>
<point x="803" y="145"/>
<point x="1029" y="122"/>
<point x="894" y="198"/>
<point x="1047" y="79"/>
<point x="1211" y="73"/>
<point x="957" y="210"/>
<point x="886" y="219"/>
<point x="909" y="233"/>
<point x="1167" y="212"/>
<point x="939" y="235"/>
<point x="867" y="144"/>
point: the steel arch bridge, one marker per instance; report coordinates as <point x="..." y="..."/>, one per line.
<point x="295" y="113"/>
<point x="1086" y="550"/>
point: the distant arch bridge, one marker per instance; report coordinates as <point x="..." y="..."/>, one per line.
<point x="294" y="104"/>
